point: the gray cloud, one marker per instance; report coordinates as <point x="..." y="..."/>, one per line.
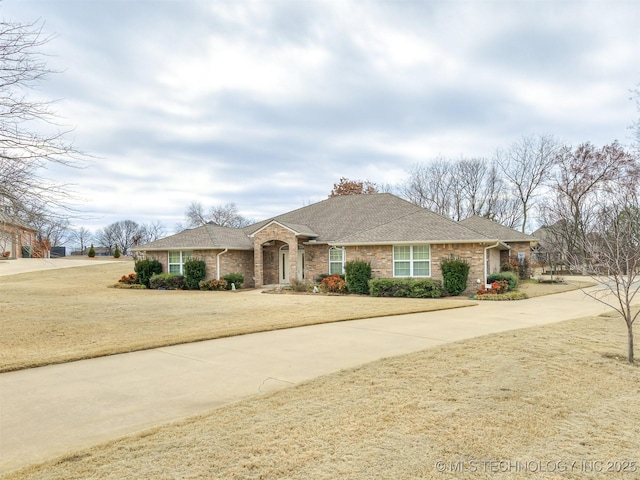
<point x="267" y="104"/>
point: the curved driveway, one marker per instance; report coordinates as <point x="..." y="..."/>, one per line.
<point x="56" y="410"/>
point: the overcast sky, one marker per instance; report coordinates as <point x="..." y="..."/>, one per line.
<point x="268" y="103"/>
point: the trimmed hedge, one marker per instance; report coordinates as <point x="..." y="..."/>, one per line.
<point x="510" y="277"/>
<point x="194" y="272"/>
<point x="406" y="287"/>
<point x="167" y="281"/>
<point x="455" y="272"/>
<point x="358" y="274"/>
<point x="145" y="269"/>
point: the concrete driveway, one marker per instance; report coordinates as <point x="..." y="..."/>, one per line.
<point x="56" y="410"/>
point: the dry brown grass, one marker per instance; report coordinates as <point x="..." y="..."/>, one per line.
<point x="62" y="315"/>
<point x="537" y="398"/>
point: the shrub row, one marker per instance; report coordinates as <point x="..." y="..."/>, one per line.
<point x="406" y="287"/>
<point x="502" y="296"/>
<point x="167" y="281"/>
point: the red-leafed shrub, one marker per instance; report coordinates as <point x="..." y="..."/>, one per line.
<point x="496" y="288"/>
<point x="333" y="284"/>
<point x="130" y="279"/>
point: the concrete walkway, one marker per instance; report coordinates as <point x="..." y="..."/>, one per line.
<point x="56" y="410"/>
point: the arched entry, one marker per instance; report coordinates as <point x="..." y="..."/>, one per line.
<point x="283" y="264"/>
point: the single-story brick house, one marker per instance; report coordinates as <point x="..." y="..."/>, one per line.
<point x="398" y="238"/>
<point x="14" y="235"/>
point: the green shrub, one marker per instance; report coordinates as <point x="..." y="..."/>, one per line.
<point x="333" y="284"/>
<point x="510" y="277"/>
<point x="145" y="269"/>
<point x="506" y="267"/>
<point x="455" y="272"/>
<point x="405" y="287"/>
<point x="116" y="254"/>
<point x="194" y="272"/>
<point x="236" y="278"/>
<point x="92" y="251"/>
<point x="358" y="274"/>
<point x="167" y="281"/>
<point x="213" y="284"/>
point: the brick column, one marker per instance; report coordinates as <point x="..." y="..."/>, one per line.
<point x="257" y="263"/>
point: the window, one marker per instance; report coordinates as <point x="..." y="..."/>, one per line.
<point x="412" y="261"/>
<point x="177" y="259"/>
<point x="336" y="260"/>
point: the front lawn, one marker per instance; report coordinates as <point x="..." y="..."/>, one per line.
<point x="56" y="316"/>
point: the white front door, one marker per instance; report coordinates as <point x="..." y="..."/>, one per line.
<point x="283" y="267"/>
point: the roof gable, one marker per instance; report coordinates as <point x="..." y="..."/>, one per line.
<point x="299" y="230"/>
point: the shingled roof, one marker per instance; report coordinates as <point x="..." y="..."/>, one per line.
<point x="203" y="238"/>
<point x="373" y="218"/>
<point x="492" y="229"/>
<point x="380" y="218"/>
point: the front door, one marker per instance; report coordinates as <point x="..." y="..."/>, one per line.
<point x="283" y="267"/>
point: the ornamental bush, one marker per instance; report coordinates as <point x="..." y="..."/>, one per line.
<point x="333" y="284"/>
<point x="130" y="279"/>
<point x="145" y="269"/>
<point x="167" y="281"/>
<point x="92" y="251"/>
<point x="510" y="277"/>
<point x="455" y="272"/>
<point x="194" y="272"/>
<point x="358" y="274"/>
<point x="406" y="287"/>
<point x="236" y="278"/>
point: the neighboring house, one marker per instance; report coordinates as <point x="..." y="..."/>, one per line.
<point x="398" y="238"/>
<point x="16" y="237"/>
<point x="519" y="244"/>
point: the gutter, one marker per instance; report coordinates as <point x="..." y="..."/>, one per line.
<point x="485" y="260"/>
<point x="218" y="262"/>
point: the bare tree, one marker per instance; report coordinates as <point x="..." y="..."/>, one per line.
<point x="527" y="164"/>
<point x="613" y="251"/>
<point x="150" y="232"/>
<point x="429" y="186"/>
<point x="224" y="215"/>
<point x="83" y="237"/>
<point x="125" y="234"/>
<point x="459" y="189"/>
<point x="29" y="137"/>
<point x="584" y="178"/>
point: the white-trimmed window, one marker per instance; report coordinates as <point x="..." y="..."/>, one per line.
<point x="177" y="259"/>
<point x="336" y="260"/>
<point x="412" y="261"/>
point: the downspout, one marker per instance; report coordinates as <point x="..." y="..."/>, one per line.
<point x="484" y="281"/>
<point x="218" y="262"/>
